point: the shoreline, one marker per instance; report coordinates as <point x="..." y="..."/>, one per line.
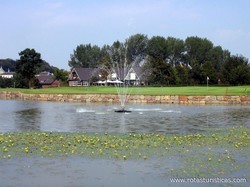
<point x="113" y="98"/>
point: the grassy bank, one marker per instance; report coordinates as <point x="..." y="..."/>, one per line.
<point x="189" y="90"/>
<point x="219" y="152"/>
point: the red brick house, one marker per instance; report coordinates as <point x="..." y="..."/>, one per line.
<point x="47" y="80"/>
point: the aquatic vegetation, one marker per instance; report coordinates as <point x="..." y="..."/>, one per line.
<point x="216" y="153"/>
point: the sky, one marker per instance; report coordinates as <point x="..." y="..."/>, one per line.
<point x="54" y="28"/>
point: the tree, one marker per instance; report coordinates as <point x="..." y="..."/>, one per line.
<point x="26" y="67"/>
<point x="6" y="82"/>
<point x="162" y="73"/>
<point x="176" y="50"/>
<point x="136" y="48"/>
<point x="60" y="74"/>
<point x="196" y="74"/>
<point x="236" y="70"/>
<point x="45" y="66"/>
<point x="208" y="70"/>
<point x="215" y="56"/>
<point x="85" y="56"/>
<point x="183" y="74"/>
<point x="158" y="48"/>
<point x="197" y="50"/>
<point x="117" y="53"/>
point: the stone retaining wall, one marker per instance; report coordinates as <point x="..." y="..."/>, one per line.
<point x="102" y="98"/>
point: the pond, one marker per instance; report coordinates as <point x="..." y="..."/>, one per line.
<point x="16" y="116"/>
<point x="101" y="118"/>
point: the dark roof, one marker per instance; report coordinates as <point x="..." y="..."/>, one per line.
<point x="121" y="72"/>
<point x="138" y="70"/>
<point x="86" y="73"/>
<point x="46" y="78"/>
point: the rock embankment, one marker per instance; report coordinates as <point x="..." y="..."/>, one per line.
<point x="108" y="98"/>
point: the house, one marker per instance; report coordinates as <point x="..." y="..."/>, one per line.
<point x="83" y="76"/>
<point x="5" y="74"/>
<point x="133" y="76"/>
<point x="130" y="76"/>
<point x="47" y="79"/>
<point x="88" y="76"/>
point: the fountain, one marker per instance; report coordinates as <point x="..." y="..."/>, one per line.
<point x="122" y="86"/>
<point x="119" y="71"/>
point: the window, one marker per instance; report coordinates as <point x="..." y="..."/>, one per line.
<point x="132" y="76"/>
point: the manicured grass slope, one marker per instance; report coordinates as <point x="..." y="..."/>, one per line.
<point x="190" y="90"/>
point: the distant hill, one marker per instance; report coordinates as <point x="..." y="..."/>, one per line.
<point x="8" y="64"/>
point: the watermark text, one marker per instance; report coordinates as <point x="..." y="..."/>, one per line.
<point x="208" y="180"/>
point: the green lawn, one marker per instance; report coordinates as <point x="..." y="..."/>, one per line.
<point x="189" y="90"/>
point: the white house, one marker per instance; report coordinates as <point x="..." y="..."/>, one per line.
<point x="5" y="74"/>
<point x="130" y="76"/>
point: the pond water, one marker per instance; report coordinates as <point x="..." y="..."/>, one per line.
<point x="81" y="172"/>
<point x="101" y="118"/>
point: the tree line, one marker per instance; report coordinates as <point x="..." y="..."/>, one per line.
<point x="25" y="68"/>
<point x="164" y="61"/>
<point x="169" y="61"/>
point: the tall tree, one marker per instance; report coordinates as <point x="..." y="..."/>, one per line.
<point x="26" y="67"/>
<point x="208" y="71"/>
<point x="183" y="74"/>
<point x="176" y="50"/>
<point x="45" y="66"/>
<point x="197" y="52"/>
<point x="118" y="53"/>
<point x="236" y="70"/>
<point x="60" y="74"/>
<point x="197" y="49"/>
<point x="196" y="73"/>
<point x="158" y="48"/>
<point x="162" y="73"/>
<point x="136" y="48"/>
<point x="85" y="56"/>
<point x="215" y="56"/>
